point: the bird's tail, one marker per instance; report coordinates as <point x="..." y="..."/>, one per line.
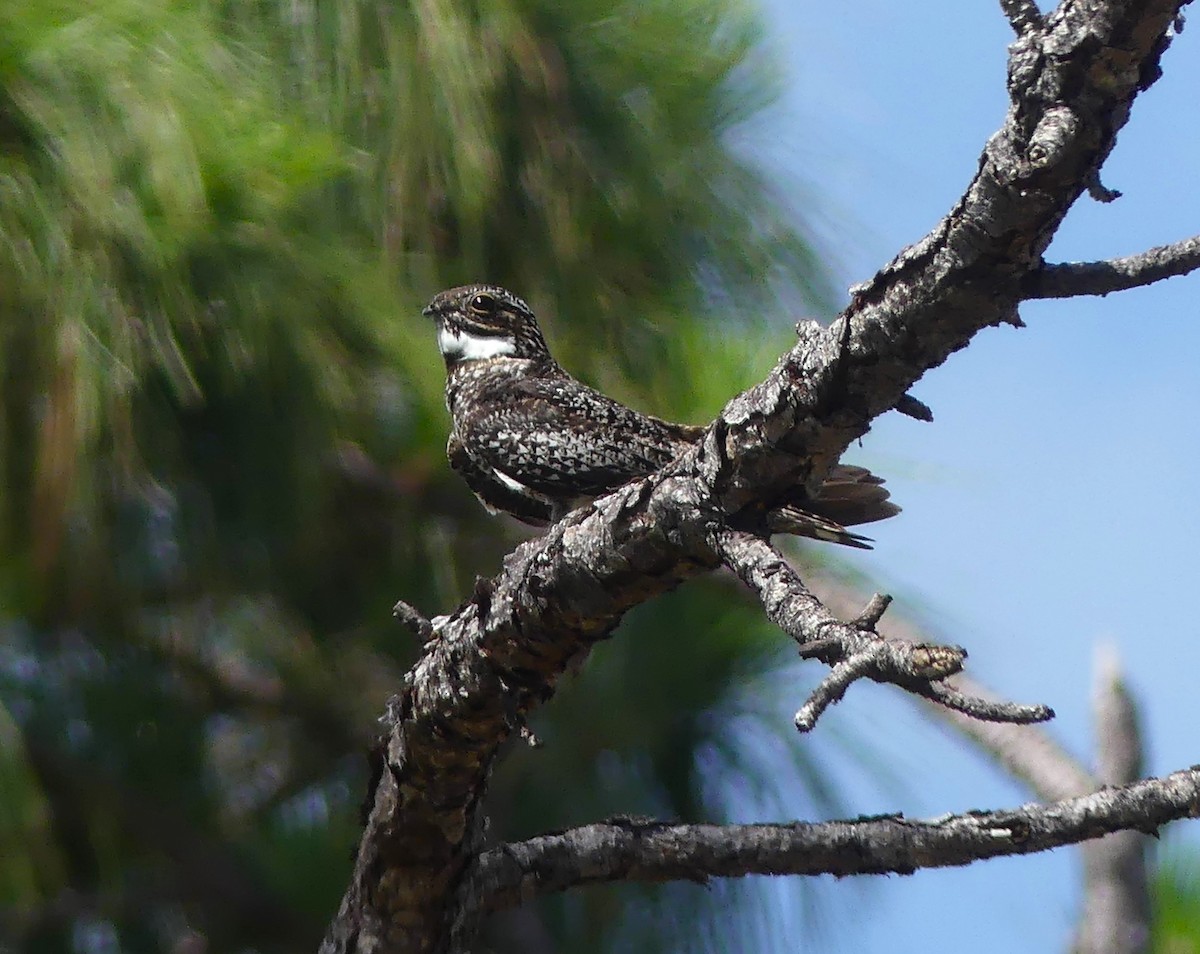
<point x="849" y="496"/>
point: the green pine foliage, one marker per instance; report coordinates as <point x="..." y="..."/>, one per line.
<point x="221" y="426"/>
<point x="1176" y="893"/>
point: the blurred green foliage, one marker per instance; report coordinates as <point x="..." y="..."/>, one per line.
<point x="221" y="431"/>
<point x="1176" y="894"/>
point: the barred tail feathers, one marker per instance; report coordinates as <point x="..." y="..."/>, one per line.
<point x="852" y="495"/>
<point x="849" y="496"/>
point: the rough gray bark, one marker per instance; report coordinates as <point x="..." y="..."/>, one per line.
<point x="1073" y="76"/>
<point x="653" y="851"/>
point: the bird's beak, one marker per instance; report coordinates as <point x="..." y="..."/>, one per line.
<point x="427" y="311"/>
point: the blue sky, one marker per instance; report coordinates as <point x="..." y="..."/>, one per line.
<point x="1052" y="506"/>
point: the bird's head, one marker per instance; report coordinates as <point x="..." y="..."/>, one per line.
<point x="477" y="322"/>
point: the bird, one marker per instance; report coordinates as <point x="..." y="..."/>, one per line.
<point x="533" y="442"/>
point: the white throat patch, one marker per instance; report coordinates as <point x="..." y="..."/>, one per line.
<point x="468" y="347"/>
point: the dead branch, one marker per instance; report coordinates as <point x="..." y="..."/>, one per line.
<point x="1028" y="754"/>
<point x="1071" y="279"/>
<point x="1115" y="914"/>
<point x="854" y="650"/>
<point x="654" y="851"/>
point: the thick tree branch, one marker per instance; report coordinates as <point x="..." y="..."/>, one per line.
<point x="1072" y="80"/>
<point x="500" y="654"/>
<point x="1118" y="274"/>
<point x="515" y="873"/>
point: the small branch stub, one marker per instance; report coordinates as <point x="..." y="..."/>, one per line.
<point x="413" y="620"/>
<point x="917" y="410"/>
<point x="1101" y="193"/>
<point x="873" y="612"/>
<point x="1023" y="15"/>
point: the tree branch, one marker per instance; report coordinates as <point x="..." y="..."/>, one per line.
<point x="653" y="851"/>
<point x="1118" y="274"/>
<point x="1028" y="754"/>
<point x="412" y="620"/>
<point x="854" y="650"/>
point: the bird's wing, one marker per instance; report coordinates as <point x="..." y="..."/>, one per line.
<point x="559" y="438"/>
<point x="496" y="494"/>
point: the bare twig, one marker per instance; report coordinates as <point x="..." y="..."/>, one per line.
<point x="1118" y="274"/>
<point x="654" y="851"/>
<point x="854" y="650"/>
<point x="917" y="410"/>
<point x="1029" y="754"/>
<point x="831" y="689"/>
<point x="1114" y="918"/>
<point x="413" y="620"/>
<point x="989" y="710"/>
<point x="873" y="612"/>
<point x="1022" y="14"/>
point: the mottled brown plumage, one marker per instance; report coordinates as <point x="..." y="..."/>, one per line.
<point x="533" y="442"/>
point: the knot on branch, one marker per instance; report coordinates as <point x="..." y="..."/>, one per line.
<point x="1054" y="135"/>
<point x="861" y="653"/>
<point x="935" y="661"/>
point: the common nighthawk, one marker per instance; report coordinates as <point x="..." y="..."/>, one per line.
<point x="533" y="442"/>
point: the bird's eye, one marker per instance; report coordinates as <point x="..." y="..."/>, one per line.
<point x="483" y="304"/>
